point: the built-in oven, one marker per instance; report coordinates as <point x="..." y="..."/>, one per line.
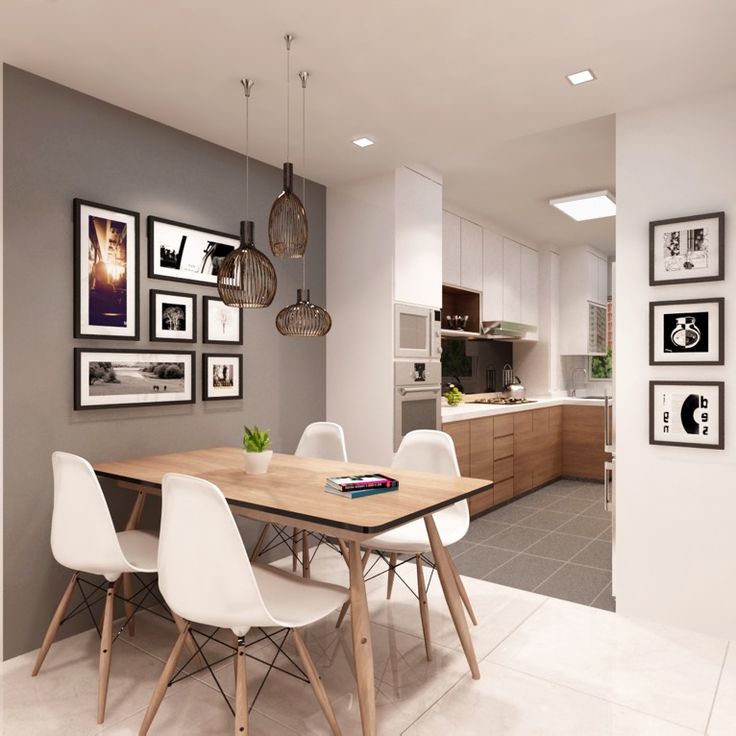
<point x="417" y="333"/>
<point x="417" y="397"/>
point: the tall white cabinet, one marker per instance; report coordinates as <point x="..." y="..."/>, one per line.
<point x="462" y="252"/>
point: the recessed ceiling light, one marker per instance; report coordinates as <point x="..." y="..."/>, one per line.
<point x="363" y="142"/>
<point x="581" y="77"/>
<point x="591" y="206"/>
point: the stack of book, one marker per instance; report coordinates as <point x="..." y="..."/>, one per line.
<point x="355" y="486"/>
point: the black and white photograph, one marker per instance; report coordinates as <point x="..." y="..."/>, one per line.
<point x="686" y="332"/>
<point x="686" y="414"/>
<point x="105" y="271"/>
<point x="181" y="252"/>
<point x="222" y="324"/>
<point x="222" y="377"/>
<point x="111" y="378"/>
<point x="687" y="249"/>
<point x="173" y="316"/>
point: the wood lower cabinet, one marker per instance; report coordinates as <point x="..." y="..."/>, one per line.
<point x="582" y="442"/>
<point x="460" y="433"/>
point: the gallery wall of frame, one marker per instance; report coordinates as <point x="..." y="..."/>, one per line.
<point x="687" y="332"/>
<point x="107" y="307"/>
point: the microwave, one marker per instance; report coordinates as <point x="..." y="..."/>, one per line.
<point x="417" y="332"/>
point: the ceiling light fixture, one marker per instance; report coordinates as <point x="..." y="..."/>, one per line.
<point x="363" y="142"/>
<point x="590" y="206"/>
<point x="580" y="77"/>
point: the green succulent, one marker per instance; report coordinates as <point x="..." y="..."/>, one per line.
<point x="255" y="440"/>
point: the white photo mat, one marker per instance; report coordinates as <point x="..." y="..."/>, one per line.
<point x="687" y="332"/>
<point x="222" y="376"/>
<point x="164" y="314"/>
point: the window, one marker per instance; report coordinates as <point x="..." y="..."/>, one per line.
<point x="600" y="367"/>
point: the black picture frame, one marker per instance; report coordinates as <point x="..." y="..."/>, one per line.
<point x="719" y="385"/>
<point x="154" y="333"/>
<point x="82" y="401"/>
<point x="208" y="391"/>
<point x="207" y="336"/>
<point x="83" y="328"/>
<point x="161" y="227"/>
<point x="717" y="217"/>
<point x="718" y="302"/>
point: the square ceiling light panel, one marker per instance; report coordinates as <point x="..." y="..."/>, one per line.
<point x="363" y="142"/>
<point x="590" y="206"/>
<point x="580" y="77"/>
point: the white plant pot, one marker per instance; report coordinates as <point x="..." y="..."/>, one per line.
<point x="256" y="463"/>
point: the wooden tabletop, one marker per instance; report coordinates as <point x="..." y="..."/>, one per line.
<point x="294" y="487"/>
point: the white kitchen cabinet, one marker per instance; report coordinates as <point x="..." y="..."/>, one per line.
<point x="603" y="280"/>
<point x="471" y="255"/>
<point x="511" y="281"/>
<point x="596" y="285"/>
<point x="492" y="276"/>
<point x="418" y="256"/>
<point x="451" y="248"/>
<point x="529" y="286"/>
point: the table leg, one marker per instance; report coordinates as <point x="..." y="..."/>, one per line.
<point x="305" y="554"/>
<point x="362" y="645"/>
<point x="452" y="595"/>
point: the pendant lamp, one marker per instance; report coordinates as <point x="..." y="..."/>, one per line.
<point x="247" y="278"/>
<point x="287" y="224"/>
<point x="303" y="319"/>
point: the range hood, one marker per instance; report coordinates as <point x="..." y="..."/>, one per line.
<point x="500" y="330"/>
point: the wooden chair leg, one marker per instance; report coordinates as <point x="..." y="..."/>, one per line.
<point x="191" y="645"/>
<point x="260" y="543"/>
<point x="128" y="604"/>
<point x="56" y="620"/>
<point x="294" y="544"/>
<point x="241" y="691"/>
<point x="163" y="681"/>
<point x="305" y="554"/>
<point x="316" y="682"/>
<point x="424" y="608"/>
<point x="391" y="575"/>
<point x="462" y="591"/>
<point x="346" y="606"/>
<point x="105" y="651"/>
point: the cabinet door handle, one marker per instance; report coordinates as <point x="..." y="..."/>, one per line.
<point x="607" y="483"/>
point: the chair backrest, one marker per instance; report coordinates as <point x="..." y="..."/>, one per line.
<point x="203" y="569"/>
<point x="82" y="533"/>
<point x="432" y="451"/>
<point x="323" y="440"/>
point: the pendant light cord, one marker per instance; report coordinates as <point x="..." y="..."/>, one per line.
<point x="304" y="76"/>
<point x="288" y="38"/>
<point x="247" y="157"/>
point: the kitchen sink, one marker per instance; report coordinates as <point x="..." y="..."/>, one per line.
<point x="591" y="398"/>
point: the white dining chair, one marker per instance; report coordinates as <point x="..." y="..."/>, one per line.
<point x="83" y="538"/>
<point x="428" y="451"/>
<point x="206" y="577"/>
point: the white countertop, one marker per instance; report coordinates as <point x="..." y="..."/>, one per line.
<point x="475" y="411"/>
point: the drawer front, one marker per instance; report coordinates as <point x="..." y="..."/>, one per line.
<point x="503" y="469"/>
<point x="503" y="447"/>
<point x="503" y="425"/>
<point x="503" y="491"/>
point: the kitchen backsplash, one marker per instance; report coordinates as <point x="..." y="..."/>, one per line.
<point x="572" y="363"/>
<point x="471" y="360"/>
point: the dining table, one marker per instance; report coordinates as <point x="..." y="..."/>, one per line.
<point x="292" y="493"/>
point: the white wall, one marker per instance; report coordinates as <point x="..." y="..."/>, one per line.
<point x="676" y="507"/>
<point x="2" y="445"/>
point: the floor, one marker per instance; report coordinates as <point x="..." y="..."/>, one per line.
<point x="555" y="541"/>
<point x="548" y="668"/>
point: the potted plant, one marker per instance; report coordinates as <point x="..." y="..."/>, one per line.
<point x="255" y="444"/>
<point x="453" y="395"/>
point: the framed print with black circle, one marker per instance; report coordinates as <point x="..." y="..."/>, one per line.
<point x="106" y="272"/>
<point x="173" y="316"/>
<point x="687" y="249"/>
<point x="222" y="376"/>
<point x="686" y="414"/>
<point x="686" y="332"/>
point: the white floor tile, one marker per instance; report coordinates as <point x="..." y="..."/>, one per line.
<point x="662" y="671"/>
<point x="508" y="703"/>
<point x="723" y="719"/>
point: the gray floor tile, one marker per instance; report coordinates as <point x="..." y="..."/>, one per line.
<point x="525" y="572"/>
<point x="596" y="554"/>
<point x="585" y="526"/>
<point x="592" y="491"/>
<point x="516" y="538"/>
<point x="607" y="535"/>
<point x="546" y="519"/>
<point x="481" y="559"/>
<point x="558" y="546"/>
<point x="561" y="487"/>
<point x="597" y="511"/>
<point x="575" y="583"/>
<point x="605" y="600"/>
<point x="484" y="528"/>
<point x="511" y="514"/>
<point x="459" y="547"/>
<point x="570" y="504"/>
<point x="538" y="500"/>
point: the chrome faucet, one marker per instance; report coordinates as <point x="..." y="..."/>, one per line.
<point x="573" y="390"/>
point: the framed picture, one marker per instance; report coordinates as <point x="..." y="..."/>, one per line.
<point x="223" y="325"/>
<point x="106" y="272"/>
<point x="180" y="252"/>
<point x="686" y="414"/>
<point x="173" y="316"/>
<point x="222" y="377"/>
<point x="686" y="332"/>
<point x="111" y="378"/>
<point x="687" y="249"/>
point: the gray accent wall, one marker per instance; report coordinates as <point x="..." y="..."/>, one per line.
<point x="60" y="144"/>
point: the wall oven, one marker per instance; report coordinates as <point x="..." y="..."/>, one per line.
<point x="417" y="397"/>
<point x="417" y="333"/>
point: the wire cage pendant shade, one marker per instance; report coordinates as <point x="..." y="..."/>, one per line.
<point x="303" y="319"/>
<point x="288" y="230"/>
<point x="247" y="278"/>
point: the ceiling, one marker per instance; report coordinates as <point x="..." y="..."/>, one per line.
<point x="475" y="89"/>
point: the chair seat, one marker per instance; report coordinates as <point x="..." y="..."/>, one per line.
<point x="412" y="538"/>
<point x="140" y="549"/>
<point x="295" y="601"/>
